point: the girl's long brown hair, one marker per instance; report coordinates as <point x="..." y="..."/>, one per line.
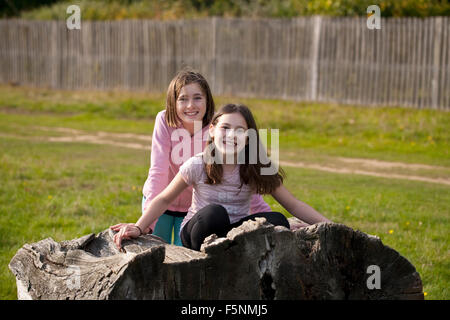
<point x="249" y="173"/>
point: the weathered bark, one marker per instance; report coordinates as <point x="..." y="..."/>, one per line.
<point x="254" y="261"/>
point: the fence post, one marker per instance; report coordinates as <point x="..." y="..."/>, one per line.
<point x="54" y="60"/>
<point x="436" y="61"/>
<point x="315" y="57"/>
<point x="213" y="53"/>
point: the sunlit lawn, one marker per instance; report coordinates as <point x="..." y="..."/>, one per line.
<point x="66" y="190"/>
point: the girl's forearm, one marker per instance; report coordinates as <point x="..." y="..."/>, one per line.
<point x="308" y="214"/>
<point x="154" y="210"/>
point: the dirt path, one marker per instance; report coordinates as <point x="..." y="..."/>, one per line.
<point x="368" y="167"/>
<point x="349" y="170"/>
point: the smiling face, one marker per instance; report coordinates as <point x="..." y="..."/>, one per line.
<point x="191" y="104"/>
<point x="229" y="133"/>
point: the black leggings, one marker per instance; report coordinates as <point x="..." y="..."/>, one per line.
<point x="214" y="219"/>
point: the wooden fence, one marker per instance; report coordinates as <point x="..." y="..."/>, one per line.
<point x="406" y="62"/>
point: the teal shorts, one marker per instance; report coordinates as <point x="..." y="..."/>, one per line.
<point x="168" y="225"/>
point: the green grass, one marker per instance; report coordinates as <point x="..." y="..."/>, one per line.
<point x="66" y="190"/>
<point x="386" y="133"/>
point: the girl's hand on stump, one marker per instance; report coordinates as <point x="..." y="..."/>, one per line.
<point x="297" y="224"/>
<point x="125" y="231"/>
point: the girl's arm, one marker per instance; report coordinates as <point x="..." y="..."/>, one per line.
<point x="158" y="174"/>
<point x="155" y="209"/>
<point x="296" y="207"/>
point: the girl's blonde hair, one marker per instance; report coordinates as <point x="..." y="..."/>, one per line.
<point x="250" y="173"/>
<point x="185" y="77"/>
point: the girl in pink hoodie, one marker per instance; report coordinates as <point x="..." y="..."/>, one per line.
<point x="180" y="132"/>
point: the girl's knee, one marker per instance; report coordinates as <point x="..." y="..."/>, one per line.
<point x="278" y="219"/>
<point x="216" y="208"/>
<point x="215" y="212"/>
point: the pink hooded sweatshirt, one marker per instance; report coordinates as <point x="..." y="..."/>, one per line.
<point x="168" y="155"/>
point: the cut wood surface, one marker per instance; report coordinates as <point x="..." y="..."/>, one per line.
<point x="254" y="261"/>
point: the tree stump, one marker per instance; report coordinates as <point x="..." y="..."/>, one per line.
<point x="254" y="261"/>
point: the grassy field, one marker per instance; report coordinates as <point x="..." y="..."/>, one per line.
<point x="59" y="189"/>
